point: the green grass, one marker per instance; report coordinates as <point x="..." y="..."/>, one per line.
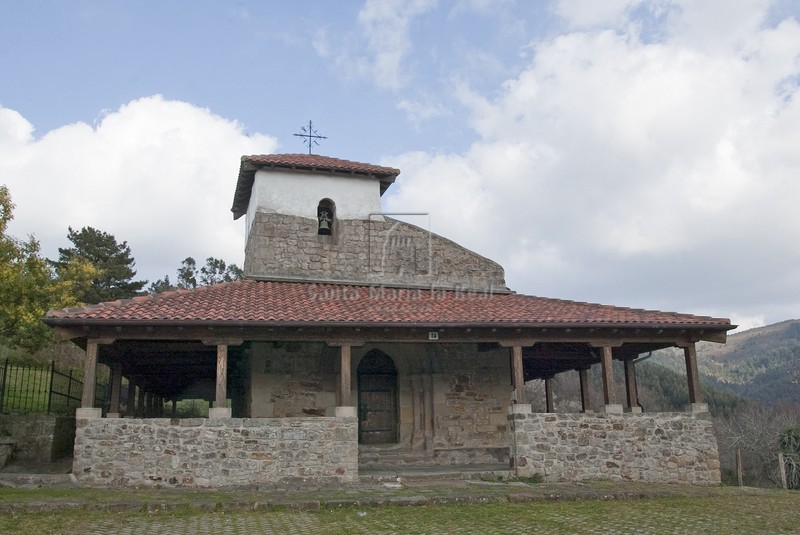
<point x="721" y="512"/>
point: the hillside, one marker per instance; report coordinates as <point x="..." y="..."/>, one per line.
<point x="761" y="364"/>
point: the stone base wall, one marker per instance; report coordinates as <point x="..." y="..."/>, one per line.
<point x="39" y="436"/>
<point x="657" y="447"/>
<point x="196" y="452"/>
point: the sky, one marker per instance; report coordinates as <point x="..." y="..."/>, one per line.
<point x="627" y="152"/>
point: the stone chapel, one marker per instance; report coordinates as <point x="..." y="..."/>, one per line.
<point x="358" y="344"/>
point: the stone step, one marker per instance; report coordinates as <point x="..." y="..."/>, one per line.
<point x="433" y="473"/>
<point x="29" y="481"/>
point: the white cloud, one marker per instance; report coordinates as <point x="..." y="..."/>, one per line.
<point x="639" y="163"/>
<point x="159" y="174"/>
<point x="386" y="26"/>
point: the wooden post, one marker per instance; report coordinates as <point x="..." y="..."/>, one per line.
<point x="630" y="385"/>
<point x="345" y="380"/>
<point x="608" y="377"/>
<point x="548" y="394"/>
<point x="221" y="399"/>
<point x="584" y="380"/>
<point x="517" y="374"/>
<point x="739" y="475"/>
<point x="116" y="387"/>
<point x="89" y="375"/>
<point x="130" y="405"/>
<point x="692" y="377"/>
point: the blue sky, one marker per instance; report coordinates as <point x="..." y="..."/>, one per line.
<point x="630" y="152"/>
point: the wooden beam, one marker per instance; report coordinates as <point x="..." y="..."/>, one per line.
<point x="345" y="380"/>
<point x="692" y="376"/>
<point x="584" y="380"/>
<point x="338" y="334"/>
<point x="221" y="399"/>
<point x="517" y="374"/>
<point x="548" y="394"/>
<point x="222" y="341"/>
<point x="630" y="384"/>
<point x="608" y="377"/>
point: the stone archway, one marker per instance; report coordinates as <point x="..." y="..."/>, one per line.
<point x="377" y="399"/>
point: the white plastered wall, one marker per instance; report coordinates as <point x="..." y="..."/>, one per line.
<point x="299" y="193"/>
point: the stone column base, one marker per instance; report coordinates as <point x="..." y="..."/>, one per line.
<point x="520" y="408"/>
<point x="697" y="407"/>
<point x="611" y="409"/>
<point x="112" y="415"/>
<point x="219" y="413"/>
<point x="344" y="412"/>
<point x="636" y="410"/>
<point x="88" y="413"/>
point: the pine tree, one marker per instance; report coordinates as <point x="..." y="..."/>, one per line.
<point x="112" y="260"/>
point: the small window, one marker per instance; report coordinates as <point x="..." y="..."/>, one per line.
<point x="326" y="214"/>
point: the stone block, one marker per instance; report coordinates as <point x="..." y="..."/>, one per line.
<point x="88" y="413"/>
<point x="611" y="409"/>
<point x="219" y="413"/>
<point x="695" y="408"/>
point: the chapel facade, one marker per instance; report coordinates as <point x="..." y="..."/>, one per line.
<point x="361" y="344"/>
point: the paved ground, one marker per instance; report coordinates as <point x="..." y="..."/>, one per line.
<point x="375" y="506"/>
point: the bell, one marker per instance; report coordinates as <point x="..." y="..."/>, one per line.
<point x="324" y="223"/>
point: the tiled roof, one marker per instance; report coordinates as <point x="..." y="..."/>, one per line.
<point x="292" y="303"/>
<point x="303" y="162"/>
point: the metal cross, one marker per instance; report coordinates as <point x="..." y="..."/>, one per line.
<point x="310" y="136"/>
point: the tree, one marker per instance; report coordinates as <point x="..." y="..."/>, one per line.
<point x="113" y="261"/>
<point x="28" y="288"/>
<point x="213" y="272"/>
<point x="187" y="273"/>
<point x="161" y="285"/>
<point x="216" y="271"/>
<point x="790" y="447"/>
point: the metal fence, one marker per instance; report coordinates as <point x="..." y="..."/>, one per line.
<point x="27" y="388"/>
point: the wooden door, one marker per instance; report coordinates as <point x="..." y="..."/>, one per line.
<point x="377" y="399"/>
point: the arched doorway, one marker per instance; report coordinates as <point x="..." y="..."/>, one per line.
<point x="377" y="399"/>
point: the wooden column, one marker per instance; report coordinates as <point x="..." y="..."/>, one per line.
<point x="130" y="405"/>
<point x="584" y="380"/>
<point x="345" y="380"/>
<point x="608" y="377"/>
<point x="89" y="374"/>
<point x="221" y="399"/>
<point x="630" y="385"/>
<point x="517" y="375"/>
<point x="548" y="394"/>
<point x="116" y="387"/>
<point x="693" y="378"/>
<point x="140" y="409"/>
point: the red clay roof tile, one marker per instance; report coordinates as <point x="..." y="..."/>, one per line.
<point x="291" y="303"/>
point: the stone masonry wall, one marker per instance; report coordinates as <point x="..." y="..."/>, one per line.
<point x="292" y="379"/>
<point x="470" y="406"/>
<point x="196" y="452"/>
<point x="657" y="447"/>
<point x="376" y="251"/>
<point x="39" y="436"/>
